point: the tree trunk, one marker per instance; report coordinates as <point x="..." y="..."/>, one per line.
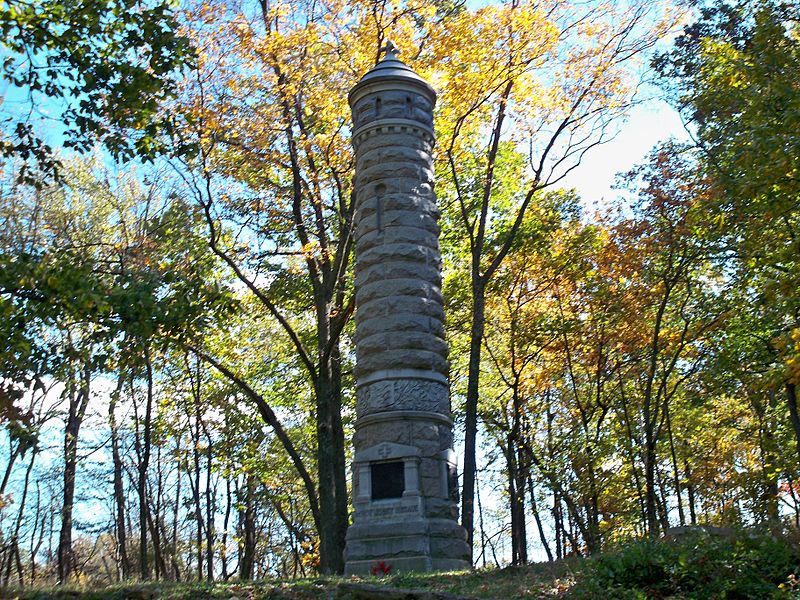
<point x="537" y="518"/>
<point x="223" y="554"/>
<point x="248" y="530"/>
<point x="210" y="509"/>
<point x="331" y="464"/>
<point x="651" y="500"/>
<point x="592" y="508"/>
<point x="198" y="513"/>
<point x="36" y="540"/>
<point x="119" y="489"/>
<point x="558" y="525"/>
<point x="791" y="400"/>
<point x="13" y="544"/>
<point x="519" y="544"/>
<point x="690" y="490"/>
<point x="471" y="406"/>
<point x="174" y="550"/>
<point x="675" y="471"/>
<point x="78" y="401"/>
<point x="144" y="464"/>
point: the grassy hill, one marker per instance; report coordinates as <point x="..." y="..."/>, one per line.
<point x="694" y="567"/>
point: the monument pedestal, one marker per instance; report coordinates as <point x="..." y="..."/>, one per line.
<point x="406" y="545"/>
<point x="405" y="496"/>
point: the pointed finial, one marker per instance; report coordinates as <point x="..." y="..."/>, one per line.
<point x="391" y="52"/>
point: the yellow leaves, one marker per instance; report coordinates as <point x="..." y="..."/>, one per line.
<point x="788" y="347"/>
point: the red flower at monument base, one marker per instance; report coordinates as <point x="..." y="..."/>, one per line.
<point x="381" y="568"/>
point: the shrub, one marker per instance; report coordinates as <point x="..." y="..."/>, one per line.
<point x="697" y="566"/>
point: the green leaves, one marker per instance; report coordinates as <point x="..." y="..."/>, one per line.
<point x="697" y="565"/>
<point x="105" y="66"/>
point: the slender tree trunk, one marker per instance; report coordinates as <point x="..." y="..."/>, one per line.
<point x="210" y="509"/>
<point x="632" y="443"/>
<point x="144" y="464"/>
<point x="248" y="526"/>
<point x="330" y="460"/>
<point x="592" y="509"/>
<point x="675" y="471"/>
<point x="226" y="519"/>
<point x="158" y="557"/>
<point x="558" y="525"/>
<point x="198" y="512"/>
<point x="38" y="527"/>
<point x="663" y="509"/>
<point x="519" y="545"/>
<point x="767" y="451"/>
<point x="791" y="400"/>
<point x="471" y="406"/>
<point x="690" y="490"/>
<point x="178" y="477"/>
<point x="651" y="499"/>
<point x="119" y="489"/>
<point x="13" y="543"/>
<point x="78" y="402"/>
<point x="537" y="518"/>
<point x="10" y="466"/>
<point x="154" y="521"/>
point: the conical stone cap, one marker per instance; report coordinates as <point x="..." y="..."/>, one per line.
<point x="392" y="70"/>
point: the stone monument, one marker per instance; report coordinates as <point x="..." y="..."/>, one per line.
<point x="405" y="491"/>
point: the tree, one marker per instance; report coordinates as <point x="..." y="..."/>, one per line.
<point x="665" y="261"/>
<point x="734" y="74"/>
<point x="522" y="330"/>
<point x="98" y="275"/>
<point x="498" y="65"/>
<point x="106" y="66"/>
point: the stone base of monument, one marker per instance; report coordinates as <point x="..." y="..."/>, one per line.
<point x="405" y="506"/>
<point x="408" y="545"/>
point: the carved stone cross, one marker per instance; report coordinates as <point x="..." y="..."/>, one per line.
<point x="390" y="50"/>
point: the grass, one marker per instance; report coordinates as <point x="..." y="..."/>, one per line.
<point x="695" y="567"/>
<point x="538" y="581"/>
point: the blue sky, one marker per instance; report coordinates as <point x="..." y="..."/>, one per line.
<point x="649" y="123"/>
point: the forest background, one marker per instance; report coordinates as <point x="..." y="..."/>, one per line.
<point x="176" y="291"/>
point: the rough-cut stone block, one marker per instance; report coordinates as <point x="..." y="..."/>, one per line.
<point x="400" y="359"/>
<point x="425" y="431"/>
<point x="447" y="547"/>
<point x="388" y="547"/>
<point x="421" y="564"/>
<point x="394" y="235"/>
<point x="398" y="218"/>
<point x="394" y="153"/>
<point x="382" y="432"/>
<point x="400" y="269"/>
<point x="398" y="287"/>
<point x="389" y="170"/>
<point x="401" y="340"/>
<point x="430" y="486"/>
<point x="399" y="321"/>
<point x="443" y="508"/>
<point x="431" y="468"/>
<point x="401" y="252"/>
<point x="366" y="214"/>
<point x="384" y="307"/>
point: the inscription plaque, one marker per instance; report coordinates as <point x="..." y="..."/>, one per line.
<point x="388" y="480"/>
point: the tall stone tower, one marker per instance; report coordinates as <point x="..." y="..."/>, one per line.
<point x="404" y="469"/>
